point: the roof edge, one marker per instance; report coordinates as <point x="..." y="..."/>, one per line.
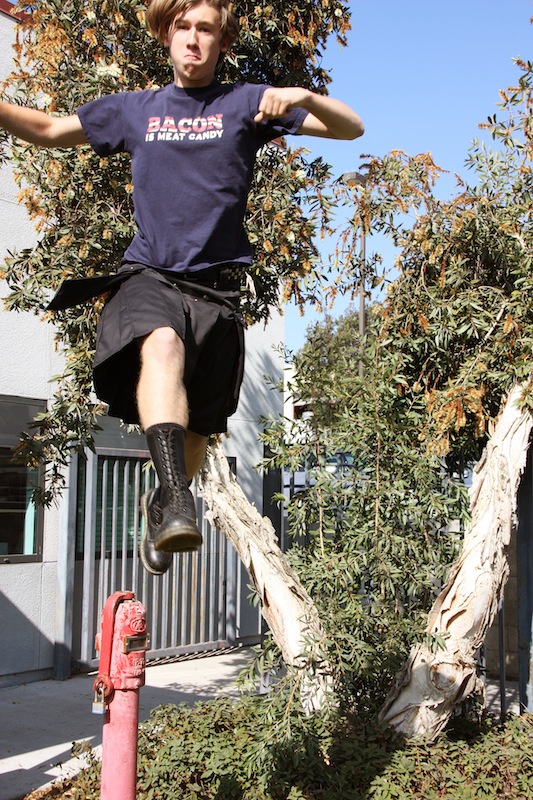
<point x="7" y="8"/>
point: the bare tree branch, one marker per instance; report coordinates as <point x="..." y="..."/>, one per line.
<point x="285" y="604"/>
<point x="434" y="681"/>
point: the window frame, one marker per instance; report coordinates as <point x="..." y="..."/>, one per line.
<point x="9" y="439"/>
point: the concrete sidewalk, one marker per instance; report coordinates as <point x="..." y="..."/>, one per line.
<point x="39" y="721"/>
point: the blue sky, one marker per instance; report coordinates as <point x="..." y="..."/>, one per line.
<point x="422" y="74"/>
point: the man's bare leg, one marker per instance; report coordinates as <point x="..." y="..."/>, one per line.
<point x="161" y="395"/>
<point x="169" y="510"/>
<point x="162" y="364"/>
<point x="195" y="449"/>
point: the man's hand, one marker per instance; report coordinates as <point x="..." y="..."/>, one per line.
<point x="326" y="116"/>
<point x="276" y="102"/>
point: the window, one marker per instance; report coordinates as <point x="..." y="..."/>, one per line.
<point x="20" y="519"/>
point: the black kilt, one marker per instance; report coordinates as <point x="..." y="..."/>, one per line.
<point x="205" y="317"/>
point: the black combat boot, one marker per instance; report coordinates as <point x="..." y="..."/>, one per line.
<point x="169" y="511"/>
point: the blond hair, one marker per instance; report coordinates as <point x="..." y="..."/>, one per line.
<point x="161" y="14"/>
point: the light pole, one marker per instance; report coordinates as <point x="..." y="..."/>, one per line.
<point x="351" y="178"/>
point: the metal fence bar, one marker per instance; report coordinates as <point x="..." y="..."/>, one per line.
<point x="89" y="543"/>
<point x="222" y="583"/>
<point x="124" y="586"/>
<point x="502" y="656"/>
<point x="185" y="591"/>
<point x="155" y="629"/>
<point x="165" y="588"/>
<point x="524" y="546"/>
<point x="231" y="595"/>
<point x="203" y="559"/>
<point x="114" y="526"/>
<point x="212" y="587"/>
<point x="174" y="605"/>
<point x="136" y="526"/>
<point x="103" y="567"/>
<point x="66" y="563"/>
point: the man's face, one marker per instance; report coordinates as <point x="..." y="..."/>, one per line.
<point x="194" y="42"/>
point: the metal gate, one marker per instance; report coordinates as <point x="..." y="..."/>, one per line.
<point x="191" y="608"/>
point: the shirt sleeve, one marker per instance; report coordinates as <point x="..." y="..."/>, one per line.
<point x="102" y="121"/>
<point x="273" y="128"/>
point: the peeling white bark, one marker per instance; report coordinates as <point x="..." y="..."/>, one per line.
<point x="432" y="684"/>
<point x="285" y="604"/>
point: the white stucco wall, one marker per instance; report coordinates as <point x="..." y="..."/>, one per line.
<point x="28" y="360"/>
<point x="23" y="335"/>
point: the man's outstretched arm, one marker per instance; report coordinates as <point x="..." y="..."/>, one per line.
<point x="38" y="127"/>
<point x="327" y="117"/>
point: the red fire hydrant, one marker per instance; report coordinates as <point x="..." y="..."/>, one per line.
<point x="122" y="644"/>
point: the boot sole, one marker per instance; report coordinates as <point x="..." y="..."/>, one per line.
<point x="175" y="539"/>
<point x="179" y="539"/>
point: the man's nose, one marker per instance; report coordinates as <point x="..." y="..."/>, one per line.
<point x="192" y="36"/>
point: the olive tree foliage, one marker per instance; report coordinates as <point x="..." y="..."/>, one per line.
<point x="68" y="53"/>
<point x="445" y="344"/>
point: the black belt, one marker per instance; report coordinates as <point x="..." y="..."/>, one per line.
<point x="78" y="290"/>
<point x="224" y="279"/>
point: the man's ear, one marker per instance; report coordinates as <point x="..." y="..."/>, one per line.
<point x="168" y="35"/>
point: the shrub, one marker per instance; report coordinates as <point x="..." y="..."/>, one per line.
<point x="222" y="750"/>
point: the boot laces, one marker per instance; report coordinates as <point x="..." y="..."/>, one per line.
<point x="154" y="509"/>
<point x="177" y="491"/>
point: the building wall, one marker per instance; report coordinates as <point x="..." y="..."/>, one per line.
<point x="27" y="596"/>
<point x="28" y="590"/>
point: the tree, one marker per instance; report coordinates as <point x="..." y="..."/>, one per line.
<point x="485" y="281"/>
<point x="447" y="383"/>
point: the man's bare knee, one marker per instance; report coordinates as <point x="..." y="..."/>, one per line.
<point x="161" y="344"/>
<point x="161" y="395"/>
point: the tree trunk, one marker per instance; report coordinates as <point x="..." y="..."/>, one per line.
<point x="285" y="604"/>
<point x="435" y="680"/>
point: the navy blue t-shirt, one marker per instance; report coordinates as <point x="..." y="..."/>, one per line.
<point x="193" y="154"/>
